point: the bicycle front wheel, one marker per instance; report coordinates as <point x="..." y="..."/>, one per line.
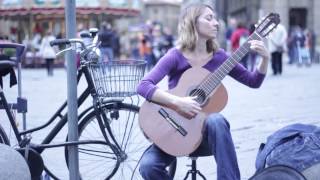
<point x="121" y="123"/>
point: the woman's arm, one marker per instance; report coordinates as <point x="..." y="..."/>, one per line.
<point x="253" y="79"/>
<point x="148" y="85"/>
<point x="260" y="48"/>
<point x="186" y="106"/>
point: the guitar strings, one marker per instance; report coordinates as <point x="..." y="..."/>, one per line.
<point x="214" y="79"/>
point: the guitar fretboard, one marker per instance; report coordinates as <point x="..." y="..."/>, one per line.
<point x="214" y="79"/>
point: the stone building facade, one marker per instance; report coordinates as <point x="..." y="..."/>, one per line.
<point x="292" y="12"/>
<point x="165" y="12"/>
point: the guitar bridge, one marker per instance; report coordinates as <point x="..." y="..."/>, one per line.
<point x="172" y="122"/>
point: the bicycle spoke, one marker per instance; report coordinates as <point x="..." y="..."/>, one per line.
<point x="99" y="161"/>
<point x="97" y="155"/>
<point x="95" y="151"/>
<point x="92" y="170"/>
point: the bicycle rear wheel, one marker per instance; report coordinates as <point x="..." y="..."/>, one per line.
<point x="121" y="123"/>
<point x="3" y="137"/>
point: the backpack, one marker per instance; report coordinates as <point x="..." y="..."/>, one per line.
<point x="278" y="172"/>
<point x="296" y="146"/>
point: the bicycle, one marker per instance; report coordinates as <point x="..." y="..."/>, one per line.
<point x="110" y="140"/>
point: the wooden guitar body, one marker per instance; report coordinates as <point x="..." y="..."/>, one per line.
<point x="163" y="133"/>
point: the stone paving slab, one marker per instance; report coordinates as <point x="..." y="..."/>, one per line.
<point x="253" y="113"/>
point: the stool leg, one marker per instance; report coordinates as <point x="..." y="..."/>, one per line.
<point x="186" y="177"/>
<point x="193" y="171"/>
<point x="201" y="175"/>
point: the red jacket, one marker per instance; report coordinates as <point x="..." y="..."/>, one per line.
<point x="235" y="37"/>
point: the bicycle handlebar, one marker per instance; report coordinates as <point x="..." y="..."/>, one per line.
<point x="67" y="42"/>
<point x="84" y="49"/>
<point x="58" y="42"/>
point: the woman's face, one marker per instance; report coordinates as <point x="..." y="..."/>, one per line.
<point x="207" y="24"/>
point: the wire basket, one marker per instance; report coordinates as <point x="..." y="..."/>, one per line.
<point x="117" y="78"/>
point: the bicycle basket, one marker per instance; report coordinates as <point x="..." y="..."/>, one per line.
<point x="117" y="78"/>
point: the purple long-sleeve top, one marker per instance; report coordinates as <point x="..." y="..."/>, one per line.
<point x="174" y="64"/>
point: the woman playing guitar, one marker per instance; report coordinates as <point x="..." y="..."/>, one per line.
<point x="197" y="47"/>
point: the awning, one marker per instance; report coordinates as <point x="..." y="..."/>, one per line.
<point x="60" y="10"/>
<point x="10" y="8"/>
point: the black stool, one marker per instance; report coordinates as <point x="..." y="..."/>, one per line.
<point x="194" y="171"/>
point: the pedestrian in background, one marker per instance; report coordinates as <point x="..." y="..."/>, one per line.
<point x="277" y="46"/>
<point x="232" y="23"/>
<point x="116" y="46"/>
<point x="47" y="52"/>
<point x="311" y="40"/>
<point x="238" y="37"/>
<point x="145" y="50"/>
<point x="106" y="39"/>
<point x="296" y="39"/>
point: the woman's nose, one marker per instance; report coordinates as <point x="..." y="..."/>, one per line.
<point x="216" y="23"/>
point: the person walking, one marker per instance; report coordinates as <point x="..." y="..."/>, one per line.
<point x="277" y="46"/>
<point x="238" y="37"/>
<point x="197" y="46"/>
<point x="106" y="37"/>
<point x="296" y="39"/>
<point x="47" y="52"/>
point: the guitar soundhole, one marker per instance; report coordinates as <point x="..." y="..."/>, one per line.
<point x="201" y="95"/>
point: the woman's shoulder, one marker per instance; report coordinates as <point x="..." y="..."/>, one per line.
<point x="173" y="57"/>
<point x="174" y="53"/>
<point x="220" y="54"/>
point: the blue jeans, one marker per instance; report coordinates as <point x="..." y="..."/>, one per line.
<point x="295" y="145"/>
<point x="106" y="54"/>
<point x="217" y="140"/>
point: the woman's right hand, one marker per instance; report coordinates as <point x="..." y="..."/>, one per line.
<point x="186" y="106"/>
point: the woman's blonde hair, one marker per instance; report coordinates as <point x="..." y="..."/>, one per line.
<point x="187" y="31"/>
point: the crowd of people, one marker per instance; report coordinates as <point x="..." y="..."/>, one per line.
<point x="148" y="43"/>
<point x="151" y="43"/>
<point x="298" y="44"/>
<point x="152" y="40"/>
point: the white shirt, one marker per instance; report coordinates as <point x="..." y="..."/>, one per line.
<point x="278" y="38"/>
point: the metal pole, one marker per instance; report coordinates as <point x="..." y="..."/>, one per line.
<point x="70" y="17"/>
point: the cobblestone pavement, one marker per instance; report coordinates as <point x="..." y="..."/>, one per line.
<point x="253" y="113"/>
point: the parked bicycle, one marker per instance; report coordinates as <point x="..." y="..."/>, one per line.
<point x="110" y="141"/>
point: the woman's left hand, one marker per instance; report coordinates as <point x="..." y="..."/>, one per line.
<point x="259" y="47"/>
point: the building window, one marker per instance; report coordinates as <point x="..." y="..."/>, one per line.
<point x="298" y="16"/>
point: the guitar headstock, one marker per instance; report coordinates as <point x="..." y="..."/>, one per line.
<point x="268" y="24"/>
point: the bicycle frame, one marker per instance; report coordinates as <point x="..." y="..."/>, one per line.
<point x="97" y="108"/>
<point x="58" y="114"/>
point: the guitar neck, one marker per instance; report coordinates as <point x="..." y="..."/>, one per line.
<point x="214" y="79"/>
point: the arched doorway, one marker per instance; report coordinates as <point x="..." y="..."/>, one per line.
<point x="298" y="16"/>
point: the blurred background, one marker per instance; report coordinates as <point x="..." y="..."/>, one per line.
<point x="151" y="21"/>
<point x="146" y="29"/>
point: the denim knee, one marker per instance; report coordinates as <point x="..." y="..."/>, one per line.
<point x="217" y="121"/>
<point x="145" y="167"/>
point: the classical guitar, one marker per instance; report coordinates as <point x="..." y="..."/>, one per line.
<point x="177" y="135"/>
